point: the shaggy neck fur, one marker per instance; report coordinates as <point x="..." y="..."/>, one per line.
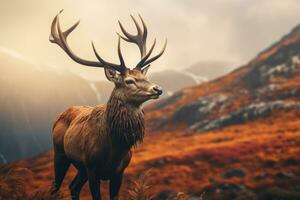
<point x="125" y="122"/>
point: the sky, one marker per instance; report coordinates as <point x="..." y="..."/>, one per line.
<point x="216" y="30"/>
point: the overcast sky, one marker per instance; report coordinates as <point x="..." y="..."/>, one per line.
<point x="197" y="30"/>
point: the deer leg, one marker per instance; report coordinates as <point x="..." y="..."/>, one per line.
<point x="114" y="186"/>
<point x="73" y="181"/>
<point x="94" y="183"/>
<point x="61" y="166"/>
<point x="77" y="184"/>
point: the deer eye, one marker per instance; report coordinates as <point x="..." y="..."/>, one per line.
<point x="129" y="81"/>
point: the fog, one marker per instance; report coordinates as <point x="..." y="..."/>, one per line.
<point x="230" y="30"/>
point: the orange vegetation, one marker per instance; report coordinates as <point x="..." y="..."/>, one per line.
<point x="262" y="149"/>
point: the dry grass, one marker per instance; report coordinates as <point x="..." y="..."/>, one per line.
<point x="15" y="184"/>
<point x="44" y="193"/>
<point x="140" y="189"/>
<point x="12" y="184"/>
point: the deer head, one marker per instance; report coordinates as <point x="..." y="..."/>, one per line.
<point x="131" y="85"/>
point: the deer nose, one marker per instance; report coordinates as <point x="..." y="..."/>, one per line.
<point x="157" y="89"/>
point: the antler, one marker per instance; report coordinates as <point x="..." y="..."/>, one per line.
<point x="140" y="40"/>
<point x="60" y="38"/>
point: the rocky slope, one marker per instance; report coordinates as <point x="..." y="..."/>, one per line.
<point x="265" y="85"/>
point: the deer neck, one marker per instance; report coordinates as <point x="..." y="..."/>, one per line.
<point x="125" y="122"/>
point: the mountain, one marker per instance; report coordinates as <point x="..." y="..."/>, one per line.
<point x="210" y="69"/>
<point x="263" y="86"/>
<point x="183" y="79"/>
<point x="235" y="137"/>
<point x="31" y="97"/>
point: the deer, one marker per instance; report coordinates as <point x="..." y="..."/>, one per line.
<point x="98" y="141"/>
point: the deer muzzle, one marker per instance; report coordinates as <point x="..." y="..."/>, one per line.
<point x="157" y="90"/>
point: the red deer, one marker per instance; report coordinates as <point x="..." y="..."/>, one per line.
<point x="98" y="140"/>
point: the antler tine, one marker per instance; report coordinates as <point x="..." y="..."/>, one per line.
<point x="143" y="60"/>
<point x="60" y="37"/>
<point x="138" y="28"/>
<point x="122" y="63"/>
<point x="120" y="68"/>
<point x="144" y="28"/>
<point x="54" y="37"/>
<point x="139" y="39"/>
<point x="55" y="24"/>
<point x="128" y="37"/>
<point x="157" y="56"/>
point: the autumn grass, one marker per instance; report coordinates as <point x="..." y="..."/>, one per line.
<point x="14" y="185"/>
<point x="140" y="189"/>
<point x="11" y="183"/>
<point x="44" y="193"/>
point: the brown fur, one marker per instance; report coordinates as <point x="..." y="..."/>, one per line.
<point x="80" y="131"/>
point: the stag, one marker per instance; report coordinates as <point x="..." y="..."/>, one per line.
<point x="98" y="140"/>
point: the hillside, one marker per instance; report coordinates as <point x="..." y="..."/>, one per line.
<point x="267" y="83"/>
<point x="236" y="137"/>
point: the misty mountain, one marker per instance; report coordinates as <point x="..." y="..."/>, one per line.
<point x="210" y="69"/>
<point x="171" y="80"/>
<point x="31" y="97"/>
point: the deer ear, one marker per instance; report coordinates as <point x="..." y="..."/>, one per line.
<point x="112" y="75"/>
<point x="145" y="69"/>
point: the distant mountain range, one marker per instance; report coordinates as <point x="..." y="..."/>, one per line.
<point x="210" y="69"/>
<point x="171" y="80"/>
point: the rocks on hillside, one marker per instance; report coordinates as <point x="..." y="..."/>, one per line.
<point x="198" y="110"/>
<point x="229" y="191"/>
<point x="245" y="114"/>
<point x="234" y="173"/>
<point x="284" y="175"/>
<point x="165" y="194"/>
<point x="255" y="90"/>
<point x="275" y="69"/>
